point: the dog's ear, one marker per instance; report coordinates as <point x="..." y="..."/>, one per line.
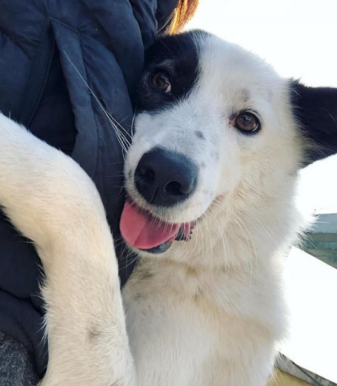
<point x="315" y="109"/>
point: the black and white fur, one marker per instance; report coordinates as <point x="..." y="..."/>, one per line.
<point x="207" y="312"/>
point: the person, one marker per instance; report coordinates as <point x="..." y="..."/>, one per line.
<point x="67" y="71"/>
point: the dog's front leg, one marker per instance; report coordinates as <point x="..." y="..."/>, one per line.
<point x="53" y="202"/>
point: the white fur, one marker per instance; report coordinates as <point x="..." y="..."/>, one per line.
<point x="205" y="313"/>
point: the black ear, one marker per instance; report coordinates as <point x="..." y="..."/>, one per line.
<point x="315" y="109"/>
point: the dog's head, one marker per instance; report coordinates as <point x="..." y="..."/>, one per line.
<point x="217" y="130"/>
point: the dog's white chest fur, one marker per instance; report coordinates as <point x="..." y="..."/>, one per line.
<point x="202" y="328"/>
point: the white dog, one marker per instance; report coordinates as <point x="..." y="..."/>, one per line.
<point x="217" y="149"/>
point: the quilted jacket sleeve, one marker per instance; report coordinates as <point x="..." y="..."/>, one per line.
<point x="54" y="55"/>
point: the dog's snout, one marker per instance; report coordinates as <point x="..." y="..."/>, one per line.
<point x="165" y="178"/>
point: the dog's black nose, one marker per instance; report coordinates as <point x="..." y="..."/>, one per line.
<point x="165" y="178"/>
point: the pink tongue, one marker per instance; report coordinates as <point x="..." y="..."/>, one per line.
<point x="140" y="230"/>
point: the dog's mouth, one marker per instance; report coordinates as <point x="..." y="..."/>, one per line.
<point x="141" y="230"/>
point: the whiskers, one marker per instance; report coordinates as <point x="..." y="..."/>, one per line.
<point x="128" y="257"/>
<point x="123" y="136"/>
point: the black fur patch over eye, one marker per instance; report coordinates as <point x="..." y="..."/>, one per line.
<point x="171" y="71"/>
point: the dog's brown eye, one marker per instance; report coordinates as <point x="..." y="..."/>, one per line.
<point x="161" y="80"/>
<point x="247" y="122"/>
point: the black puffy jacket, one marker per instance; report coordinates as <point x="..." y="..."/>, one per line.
<point x="50" y="50"/>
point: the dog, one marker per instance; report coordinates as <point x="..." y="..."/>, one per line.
<point x="210" y="179"/>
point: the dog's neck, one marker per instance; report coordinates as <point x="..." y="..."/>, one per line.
<point x="231" y="236"/>
<point x="232" y="247"/>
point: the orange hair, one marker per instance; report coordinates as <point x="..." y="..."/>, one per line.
<point x="182" y="14"/>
